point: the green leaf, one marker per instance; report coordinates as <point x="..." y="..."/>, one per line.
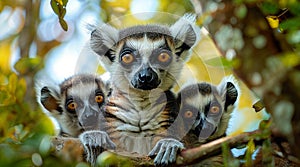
<point x="63" y="24"/>
<point x="112" y="159"/>
<point x="55" y="6"/>
<point x="267" y="153"/>
<point x="63" y="12"/>
<point x="13" y="81"/>
<point x="26" y="65"/>
<point x="290" y="59"/>
<point x="228" y="159"/>
<point x="269" y="8"/>
<point x="4" y="98"/>
<point x="20" y="92"/>
<point x="249" y="152"/>
<point x="65" y="2"/>
<point x="290" y="24"/>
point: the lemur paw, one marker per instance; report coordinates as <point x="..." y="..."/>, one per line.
<point x="165" y="151"/>
<point x="94" y="143"/>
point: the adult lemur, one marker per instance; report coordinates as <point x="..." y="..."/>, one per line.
<point x="144" y="62"/>
<point x="77" y="104"/>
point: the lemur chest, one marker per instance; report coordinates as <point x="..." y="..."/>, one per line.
<point x="133" y="120"/>
<point x="143" y="118"/>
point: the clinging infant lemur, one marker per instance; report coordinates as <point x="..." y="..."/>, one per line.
<point x="77" y="105"/>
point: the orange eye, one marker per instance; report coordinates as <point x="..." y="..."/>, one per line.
<point x="188" y="114"/>
<point x="99" y="98"/>
<point x="127" y="58"/>
<point x="215" y="109"/>
<point x="72" y="106"/>
<point x="163" y="57"/>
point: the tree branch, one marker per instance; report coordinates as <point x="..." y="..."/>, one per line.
<point x="241" y="29"/>
<point x="70" y="149"/>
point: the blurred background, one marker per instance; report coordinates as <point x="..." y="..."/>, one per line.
<point x="35" y="46"/>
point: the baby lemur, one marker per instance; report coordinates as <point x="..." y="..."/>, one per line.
<point x="206" y="110"/>
<point x="77" y="104"/>
<point x="144" y="62"/>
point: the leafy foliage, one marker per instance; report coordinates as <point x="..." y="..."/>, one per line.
<point x="59" y="8"/>
<point x="25" y="129"/>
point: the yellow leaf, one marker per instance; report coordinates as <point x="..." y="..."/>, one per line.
<point x="273" y="21"/>
<point x="13" y="81"/>
<point x="60" y="2"/>
<point x="20" y="92"/>
<point x="26" y="65"/>
<point x="5" y="52"/>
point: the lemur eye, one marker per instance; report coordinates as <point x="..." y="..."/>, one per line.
<point x="188" y="114"/>
<point x="72" y="106"/>
<point x="127" y="58"/>
<point x="163" y="57"/>
<point x="215" y="109"/>
<point x="99" y="98"/>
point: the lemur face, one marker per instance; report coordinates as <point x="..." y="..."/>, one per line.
<point x="209" y="107"/>
<point x="78" y="103"/>
<point x="144" y="57"/>
<point x="147" y="60"/>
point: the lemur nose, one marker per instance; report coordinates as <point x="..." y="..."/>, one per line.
<point x="146" y="79"/>
<point x="147" y="76"/>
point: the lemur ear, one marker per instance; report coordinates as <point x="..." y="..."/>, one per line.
<point x="229" y="90"/>
<point x="103" y="40"/>
<point x="185" y="34"/>
<point x="49" y="99"/>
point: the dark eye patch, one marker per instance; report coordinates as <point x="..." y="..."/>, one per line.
<point x="73" y="100"/>
<point x="154" y="58"/>
<point x="128" y="51"/>
<point x="208" y="107"/>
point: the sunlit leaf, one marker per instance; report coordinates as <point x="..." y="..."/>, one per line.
<point x="290" y="59"/>
<point x="26" y="65"/>
<point x="5" y="53"/>
<point x="13" y="80"/>
<point x="63" y="12"/>
<point x="63" y="24"/>
<point x="20" y="92"/>
<point x="55" y="7"/>
<point x="273" y="21"/>
<point x="59" y="2"/>
<point x="59" y="8"/>
<point x="4" y="98"/>
<point x="111" y="159"/>
<point x="3" y="79"/>
<point x="64" y="2"/>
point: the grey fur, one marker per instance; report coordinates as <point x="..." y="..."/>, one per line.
<point x="87" y="118"/>
<point x="199" y="99"/>
<point x="142" y="106"/>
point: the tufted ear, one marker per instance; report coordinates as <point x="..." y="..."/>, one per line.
<point x="49" y="100"/>
<point x="229" y="90"/>
<point x="185" y="34"/>
<point x="103" y="40"/>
